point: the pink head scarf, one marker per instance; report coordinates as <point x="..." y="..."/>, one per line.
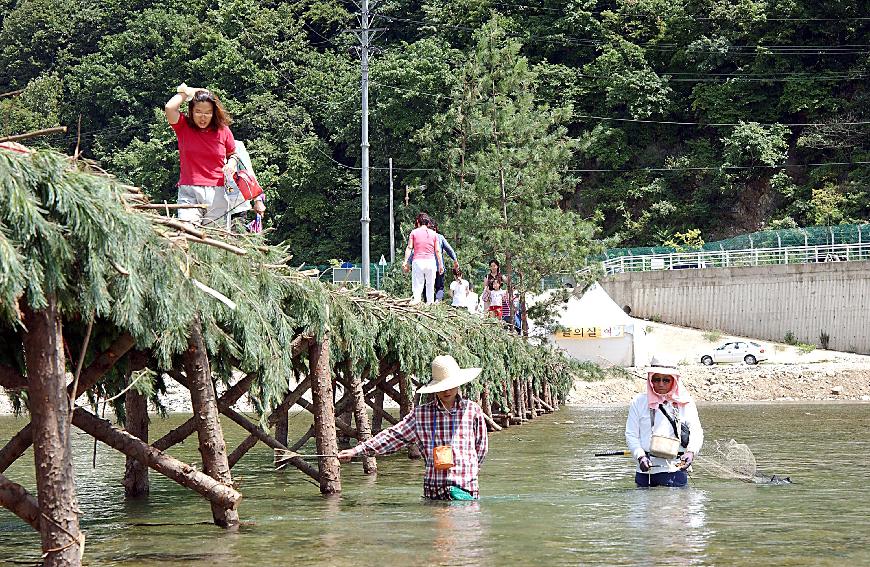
<point x="677" y="395"/>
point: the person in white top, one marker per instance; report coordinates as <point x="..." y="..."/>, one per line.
<point x="654" y="429"/>
<point x="459" y="289"/>
<point x="496" y="295"/>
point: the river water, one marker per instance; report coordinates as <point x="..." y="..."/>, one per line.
<point x="545" y="501"/>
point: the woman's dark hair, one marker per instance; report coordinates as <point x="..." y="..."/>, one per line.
<point x="494" y="261"/>
<point x="423" y="220"/>
<point x="457" y="273"/>
<point x="492" y="283"/>
<point x="219" y="117"/>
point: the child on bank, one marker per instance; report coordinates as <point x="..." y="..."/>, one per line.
<point x="496" y="298"/>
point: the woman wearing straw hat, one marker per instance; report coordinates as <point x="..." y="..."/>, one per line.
<point x="663" y="430"/>
<point x="450" y="431"/>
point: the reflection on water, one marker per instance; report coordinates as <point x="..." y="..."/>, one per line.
<point x="545" y="501"/>
<point x="674" y="522"/>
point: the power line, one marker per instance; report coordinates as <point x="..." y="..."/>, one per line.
<point x="721" y="124"/>
<point x="715" y="168"/>
<point x="686" y="16"/>
<point x="565" y="41"/>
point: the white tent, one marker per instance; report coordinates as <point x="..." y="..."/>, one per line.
<point x="592" y="327"/>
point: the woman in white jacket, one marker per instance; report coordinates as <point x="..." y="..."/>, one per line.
<point x="661" y="412"/>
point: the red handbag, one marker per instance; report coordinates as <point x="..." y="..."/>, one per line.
<point x="247" y="184"/>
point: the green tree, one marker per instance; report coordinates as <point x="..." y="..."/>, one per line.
<point x="505" y="158"/>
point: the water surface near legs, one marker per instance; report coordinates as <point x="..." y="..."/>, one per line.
<point x="546" y="501"/>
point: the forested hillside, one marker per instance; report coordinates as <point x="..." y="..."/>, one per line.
<point x="647" y="118"/>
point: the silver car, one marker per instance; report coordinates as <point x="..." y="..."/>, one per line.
<point x="735" y="351"/>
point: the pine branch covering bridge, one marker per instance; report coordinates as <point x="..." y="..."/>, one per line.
<point x="103" y="299"/>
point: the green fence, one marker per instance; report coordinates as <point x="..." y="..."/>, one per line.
<point x="809" y="236"/>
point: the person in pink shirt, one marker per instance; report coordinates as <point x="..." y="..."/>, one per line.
<point x="423" y="242"/>
<point x="206" y="148"/>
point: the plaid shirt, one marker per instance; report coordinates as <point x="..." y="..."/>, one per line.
<point x="430" y="425"/>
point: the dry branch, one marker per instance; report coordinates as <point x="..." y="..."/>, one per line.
<point x="34" y="134"/>
<point x="17" y="500"/>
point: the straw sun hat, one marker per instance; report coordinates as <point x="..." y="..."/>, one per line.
<point x="446" y="375"/>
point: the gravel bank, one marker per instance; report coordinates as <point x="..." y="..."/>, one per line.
<point x="790" y="375"/>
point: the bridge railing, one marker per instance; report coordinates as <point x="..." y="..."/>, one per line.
<point x="737" y="258"/>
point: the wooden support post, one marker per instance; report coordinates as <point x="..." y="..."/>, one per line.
<point x="377" y="416"/>
<point x="281" y="427"/>
<point x="263" y="436"/>
<point x="212" y="446"/>
<point x="406" y="406"/>
<point x="530" y="398"/>
<point x="519" y="408"/>
<point x="361" y="414"/>
<point x="136" y="474"/>
<point x="547" y="407"/>
<point x="508" y="395"/>
<point x="187" y="428"/>
<point x="223" y="496"/>
<point x="493" y="426"/>
<point x="324" y="416"/>
<point x="17" y="500"/>
<point x="22" y="440"/>
<point x="242" y="449"/>
<point x="62" y="542"/>
<point x="484" y="401"/>
<point x="290" y="399"/>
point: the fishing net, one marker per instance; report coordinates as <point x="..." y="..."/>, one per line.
<point x="729" y="459"/>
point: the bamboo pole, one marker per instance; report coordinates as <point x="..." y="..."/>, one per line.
<point x="17" y="500"/>
<point x="62" y="542"/>
<point x="212" y="446"/>
<point x="102" y="430"/>
<point x="324" y="416"/>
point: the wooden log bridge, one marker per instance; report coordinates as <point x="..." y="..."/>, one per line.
<point x="225" y="316"/>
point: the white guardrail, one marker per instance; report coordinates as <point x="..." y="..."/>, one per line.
<point x="737" y="258"/>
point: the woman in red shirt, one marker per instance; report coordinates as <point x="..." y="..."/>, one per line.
<point x="205" y="146"/>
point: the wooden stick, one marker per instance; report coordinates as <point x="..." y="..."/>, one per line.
<point x="169" y="206"/>
<point x="177" y="225"/>
<point x="218" y="244"/>
<point x="17" y="500"/>
<point x="11" y="93"/>
<point x="544" y="404"/>
<point x="33" y="134"/>
<point x="491" y="422"/>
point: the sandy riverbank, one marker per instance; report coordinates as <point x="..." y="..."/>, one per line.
<point x="790" y="375"/>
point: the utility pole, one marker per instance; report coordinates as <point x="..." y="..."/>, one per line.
<point x="365" y="34"/>
<point x="392" y="226"/>
<point x="364" y="145"/>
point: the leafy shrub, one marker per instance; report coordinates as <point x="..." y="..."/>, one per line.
<point x="713" y="336"/>
<point x="805" y="348"/>
<point x="790" y="339"/>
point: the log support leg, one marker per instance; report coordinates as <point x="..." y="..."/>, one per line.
<point x="62" y="542"/>
<point x="136" y="473"/>
<point x="361" y="415"/>
<point x="324" y="416"/>
<point x="212" y="446"/>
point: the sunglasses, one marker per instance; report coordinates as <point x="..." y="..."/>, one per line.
<point x="661" y="379"/>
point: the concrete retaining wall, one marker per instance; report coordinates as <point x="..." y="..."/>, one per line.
<point x="764" y="302"/>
